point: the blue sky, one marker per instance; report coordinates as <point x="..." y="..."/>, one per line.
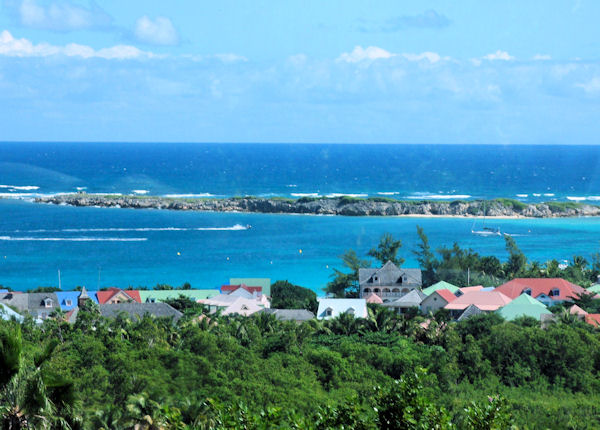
<point x="301" y="71"/>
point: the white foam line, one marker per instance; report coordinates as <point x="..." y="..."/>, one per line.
<point x="438" y="196"/>
<point x="188" y="196"/>
<point x="305" y="194"/>
<point x="73" y="239"/>
<point x="139" y="229"/>
<point x="388" y="193"/>
<point x="334" y="195"/>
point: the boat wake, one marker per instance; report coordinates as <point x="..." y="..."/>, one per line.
<point x="236" y="227"/>
<point x="73" y="239"/>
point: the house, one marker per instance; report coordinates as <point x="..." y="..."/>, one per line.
<point x="437" y="300"/>
<point x="136" y="311"/>
<point x="442" y="285"/>
<point x="373" y="298"/>
<point x="68" y="300"/>
<point x="42" y="305"/>
<point x="524" y="306"/>
<point x="15" y="299"/>
<point x="7" y="314"/>
<point x="465" y="290"/>
<point x="576" y="310"/>
<point x="593" y="319"/>
<point x="486" y="301"/>
<point x="264" y="283"/>
<point x="297" y="315"/>
<point x="153" y="296"/>
<point x="230" y="305"/>
<point x="331" y="308"/>
<point x="389" y="281"/>
<point x="116" y="295"/>
<point x="595" y="288"/>
<point x="406" y="302"/>
<point x="242" y="290"/>
<point x="547" y="290"/>
<point x="469" y="312"/>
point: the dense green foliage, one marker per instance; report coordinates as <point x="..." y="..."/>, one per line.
<point x="285" y="295"/>
<point x="386" y="371"/>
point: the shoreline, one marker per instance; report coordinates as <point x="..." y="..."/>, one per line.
<point x="337" y="206"/>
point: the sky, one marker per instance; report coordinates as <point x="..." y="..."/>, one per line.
<point x="381" y="71"/>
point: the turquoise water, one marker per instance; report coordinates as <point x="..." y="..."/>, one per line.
<point x="145" y="247"/>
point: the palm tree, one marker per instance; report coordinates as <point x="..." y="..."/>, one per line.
<point x="142" y="413"/>
<point x="31" y="396"/>
<point x="381" y="319"/>
<point x="345" y="323"/>
<point x="266" y="323"/>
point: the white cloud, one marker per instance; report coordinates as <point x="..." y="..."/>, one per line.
<point x="158" y="32"/>
<point x="361" y="54"/>
<point x="498" y="55"/>
<point x="592" y="86"/>
<point x="230" y="58"/>
<point x="11" y="47"/>
<point x="541" y="57"/>
<point x="432" y="57"/>
<point x="62" y="16"/>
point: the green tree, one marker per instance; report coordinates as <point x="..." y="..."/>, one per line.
<point x="387" y="250"/>
<point x="285" y="295"/>
<point x="426" y="258"/>
<point x="517" y="261"/>
<point x="345" y="284"/>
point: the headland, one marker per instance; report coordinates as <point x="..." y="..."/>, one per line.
<point x="345" y="206"/>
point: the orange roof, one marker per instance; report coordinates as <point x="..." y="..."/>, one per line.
<point x="446" y="295"/>
<point x="514" y="288"/>
<point x="593" y="319"/>
<point x="576" y="310"/>
<point x="484" y="300"/>
<point x="105" y="296"/>
<point x="465" y="290"/>
<point x="373" y="298"/>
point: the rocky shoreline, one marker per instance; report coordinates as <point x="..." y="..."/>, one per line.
<point x="346" y="206"/>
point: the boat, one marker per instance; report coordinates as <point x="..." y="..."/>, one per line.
<point x="485" y="231"/>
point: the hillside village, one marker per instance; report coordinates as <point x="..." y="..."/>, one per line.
<point x="397" y="289"/>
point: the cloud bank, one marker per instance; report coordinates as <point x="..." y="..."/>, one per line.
<point x="159" y="31"/>
<point x="59" y="16"/>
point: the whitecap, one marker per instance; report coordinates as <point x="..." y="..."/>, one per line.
<point x="305" y="194"/>
<point x="537" y="194"/>
<point x="549" y="194"/>
<point x="388" y="193"/>
<point x="188" y="196"/>
<point x="21" y="187"/>
<point x="438" y="196"/>
<point x="292" y="186"/>
<point x="74" y="239"/>
<point x="138" y="229"/>
<point x="523" y="195"/>
<point x="576" y="199"/>
<point x="140" y="191"/>
<point x="334" y="195"/>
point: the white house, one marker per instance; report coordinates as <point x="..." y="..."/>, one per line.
<point x="331" y="308"/>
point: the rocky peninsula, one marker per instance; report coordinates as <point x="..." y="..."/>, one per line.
<point x="347" y="206"/>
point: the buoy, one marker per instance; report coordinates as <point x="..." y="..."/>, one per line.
<point x="300" y="251"/>
<point x="178" y="253"/>
<point x="227" y="258"/>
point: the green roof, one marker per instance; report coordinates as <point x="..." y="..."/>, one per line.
<point x="594" y="288"/>
<point x="265" y="283"/>
<point x="442" y="285"/>
<point x="524" y="305"/>
<point x="162" y="295"/>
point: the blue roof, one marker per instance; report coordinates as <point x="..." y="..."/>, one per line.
<point x="67" y="300"/>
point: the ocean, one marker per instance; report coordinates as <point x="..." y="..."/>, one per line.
<point x="121" y="247"/>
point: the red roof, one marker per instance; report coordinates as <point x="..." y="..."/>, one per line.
<point x="465" y="290"/>
<point x="105" y="296"/>
<point x="446" y="295"/>
<point x="514" y="288"/>
<point x="228" y="289"/>
<point x="484" y="300"/>
<point x="593" y="319"/>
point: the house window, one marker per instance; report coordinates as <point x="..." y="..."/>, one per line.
<point x="48" y="303"/>
<point x="68" y="302"/>
<point x="350" y="311"/>
<point x="244" y="307"/>
<point x="328" y="312"/>
<point x="527" y="291"/>
<point x="386" y="290"/>
<point x="367" y="290"/>
<point x="151" y="300"/>
<point x="376" y="278"/>
<point x="555" y="292"/>
<point x="376" y="290"/>
<point x="396" y="290"/>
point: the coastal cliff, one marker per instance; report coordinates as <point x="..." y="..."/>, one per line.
<point x="347" y="206"/>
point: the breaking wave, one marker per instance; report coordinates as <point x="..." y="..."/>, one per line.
<point x="235" y="227"/>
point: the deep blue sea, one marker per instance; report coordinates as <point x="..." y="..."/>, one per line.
<point x="134" y="247"/>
